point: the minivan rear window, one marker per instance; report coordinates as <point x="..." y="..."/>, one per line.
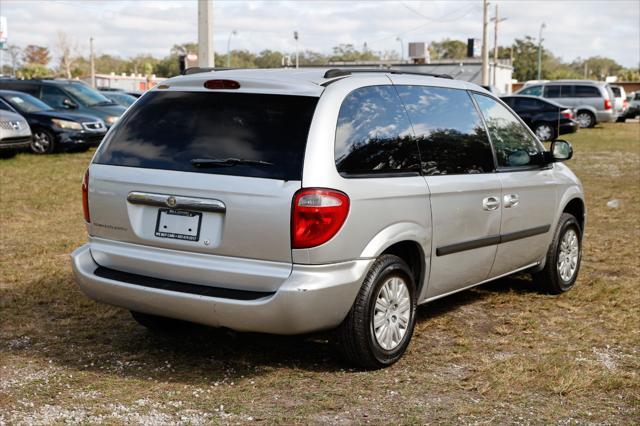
<point x="239" y="134"/>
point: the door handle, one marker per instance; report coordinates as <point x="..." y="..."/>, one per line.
<point x="511" y="200"/>
<point x="490" y="203"/>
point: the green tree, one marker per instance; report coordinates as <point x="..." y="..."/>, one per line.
<point x="34" y="70"/>
<point x="448" y="49"/>
<point x="525" y="59"/>
<point x="348" y="53"/>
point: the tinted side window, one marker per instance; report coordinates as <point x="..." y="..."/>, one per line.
<point x="552" y="91"/>
<point x="449" y="130"/>
<point x="527" y="104"/>
<point x="374" y="135"/>
<point x="532" y="91"/>
<point x="53" y="96"/>
<point x="514" y="145"/>
<point x="587" y="92"/>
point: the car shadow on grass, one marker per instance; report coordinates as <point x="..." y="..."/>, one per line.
<point x="90" y="337"/>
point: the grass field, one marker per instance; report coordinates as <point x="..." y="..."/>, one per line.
<point x="501" y="353"/>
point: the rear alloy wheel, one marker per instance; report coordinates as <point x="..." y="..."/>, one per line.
<point x="42" y="142"/>
<point x="544" y="132"/>
<point x="586" y="119"/>
<point x="379" y="325"/>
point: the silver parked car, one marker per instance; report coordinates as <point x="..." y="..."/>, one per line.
<point x="593" y="100"/>
<point x="15" y="133"/>
<point x="290" y="201"/>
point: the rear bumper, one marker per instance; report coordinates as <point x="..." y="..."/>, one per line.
<point x="606" y="116"/>
<point x="313" y="297"/>
<point x="570" y="127"/>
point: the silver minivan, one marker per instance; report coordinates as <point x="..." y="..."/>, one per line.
<point x="291" y="201"/>
<point x="594" y="101"/>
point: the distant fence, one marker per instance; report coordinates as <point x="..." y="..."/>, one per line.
<point x="629" y="86"/>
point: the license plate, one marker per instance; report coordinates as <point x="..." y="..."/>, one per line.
<point x="178" y="224"/>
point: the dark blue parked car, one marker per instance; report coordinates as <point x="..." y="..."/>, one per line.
<point x="53" y="130"/>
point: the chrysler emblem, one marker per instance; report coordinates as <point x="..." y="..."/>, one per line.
<point x="171" y="201"/>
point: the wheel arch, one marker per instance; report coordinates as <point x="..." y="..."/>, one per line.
<point x="407" y="241"/>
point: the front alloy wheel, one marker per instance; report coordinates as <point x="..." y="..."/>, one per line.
<point x="544" y="132"/>
<point x="42" y="142"/>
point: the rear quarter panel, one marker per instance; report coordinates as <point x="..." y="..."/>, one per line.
<point x="382" y="210"/>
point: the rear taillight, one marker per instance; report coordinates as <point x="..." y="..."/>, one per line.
<point x="85" y="196"/>
<point x="316" y="216"/>
<point x="567" y="113"/>
<point x="607" y="104"/>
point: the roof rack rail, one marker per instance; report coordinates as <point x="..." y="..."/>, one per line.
<point x="198" y="70"/>
<point x="341" y="72"/>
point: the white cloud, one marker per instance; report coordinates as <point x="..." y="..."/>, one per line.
<point x="126" y="28"/>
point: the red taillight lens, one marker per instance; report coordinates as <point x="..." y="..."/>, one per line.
<point x="221" y="84"/>
<point x="607" y="104"/>
<point x="316" y="216"/>
<point x="567" y="114"/>
<point x="85" y="196"/>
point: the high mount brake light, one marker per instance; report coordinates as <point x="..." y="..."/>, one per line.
<point x="85" y="197"/>
<point x="221" y="84"/>
<point x="316" y="216"/>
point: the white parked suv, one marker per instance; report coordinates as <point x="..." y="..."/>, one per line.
<point x="291" y="201"/>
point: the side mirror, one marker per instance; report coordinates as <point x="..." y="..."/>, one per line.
<point x="561" y="150"/>
<point x="68" y="103"/>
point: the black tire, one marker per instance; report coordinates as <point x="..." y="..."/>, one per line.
<point x="621" y="119"/>
<point x="545" y="132"/>
<point x="586" y="123"/>
<point x="550" y="279"/>
<point x="42" y="142"/>
<point x="356" y="335"/>
<point x="158" y="324"/>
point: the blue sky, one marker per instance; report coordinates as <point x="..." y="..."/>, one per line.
<point x="574" y="28"/>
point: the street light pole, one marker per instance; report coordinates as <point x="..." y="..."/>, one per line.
<point x="232" y="33"/>
<point x="295" y="36"/>
<point x="495" y="45"/>
<point x="93" y="63"/>
<point x="401" y="49"/>
<point x="542" y="27"/>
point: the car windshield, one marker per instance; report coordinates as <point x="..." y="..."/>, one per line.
<point x="87" y="95"/>
<point x="26" y="103"/>
<point x="121" y="98"/>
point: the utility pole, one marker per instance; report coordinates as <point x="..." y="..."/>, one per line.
<point x="92" y="60"/>
<point x="496" y="21"/>
<point x="295" y="36"/>
<point x="401" y="48"/>
<point x="205" y="34"/>
<point x="485" y="49"/>
<point x="542" y="27"/>
<point x="232" y="33"/>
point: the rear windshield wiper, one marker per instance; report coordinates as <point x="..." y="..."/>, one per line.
<point x="227" y="162"/>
